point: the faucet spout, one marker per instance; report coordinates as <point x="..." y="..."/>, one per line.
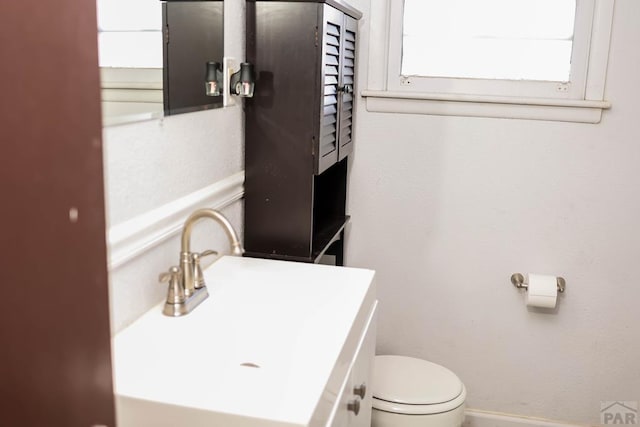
<point x="234" y="241"/>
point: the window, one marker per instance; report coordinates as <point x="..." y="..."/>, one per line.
<point x="130" y="33"/>
<point x="491" y="39"/>
<point x="478" y="57"/>
<point x="130" y="58"/>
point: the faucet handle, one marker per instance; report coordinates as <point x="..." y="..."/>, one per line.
<point x="206" y="253"/>
<point x="198" y="277"/>
<point x="175" y="294"/>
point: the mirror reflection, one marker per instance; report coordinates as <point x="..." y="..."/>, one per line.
<point x="155" y="56"/>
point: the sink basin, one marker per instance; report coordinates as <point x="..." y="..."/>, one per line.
<point x="267" y="348"/>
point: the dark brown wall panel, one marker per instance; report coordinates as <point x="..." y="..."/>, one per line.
<point x="55" y="366"/>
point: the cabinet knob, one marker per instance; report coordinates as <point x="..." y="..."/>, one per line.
<point x="346" y="89"/>
<point x="354" y="406"/>
<point x="360" y="390"/>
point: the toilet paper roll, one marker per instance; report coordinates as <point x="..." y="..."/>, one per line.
<point x="542" y="291"/>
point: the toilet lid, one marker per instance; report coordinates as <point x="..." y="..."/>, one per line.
<point x="407" y="380"/>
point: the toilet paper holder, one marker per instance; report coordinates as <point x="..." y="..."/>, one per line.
<point x="518" y="281"/>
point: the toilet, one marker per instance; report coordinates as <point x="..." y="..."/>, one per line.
<point x="410" y="392"/>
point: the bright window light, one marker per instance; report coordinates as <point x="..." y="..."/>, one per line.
<point x="130" y="33"/>
<point x="489" y="39"/>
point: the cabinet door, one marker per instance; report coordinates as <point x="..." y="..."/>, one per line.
<point x="357" y="389"/>
<point x="347" y="86"/>
<point x="331" y="52"/>
<point x="338" y="76"/>
<point x="361" y="374"/>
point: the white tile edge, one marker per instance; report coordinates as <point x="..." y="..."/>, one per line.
<point x="579" y="111"/>
<point x="132" y="238"/>
<point x="478" y="418"/>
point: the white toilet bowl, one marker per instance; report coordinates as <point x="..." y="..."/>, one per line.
<point x="410" y="392"/>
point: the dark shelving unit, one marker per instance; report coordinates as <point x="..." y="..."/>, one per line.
<point x="299" y="127"/>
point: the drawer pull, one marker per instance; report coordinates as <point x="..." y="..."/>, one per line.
<point x="360" y="390"/>
<point x="354" y="406"/>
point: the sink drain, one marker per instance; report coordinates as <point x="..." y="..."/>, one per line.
<point x="249" y="365"/>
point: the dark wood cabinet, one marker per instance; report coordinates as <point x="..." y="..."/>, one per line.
<point x="299" y="127"/>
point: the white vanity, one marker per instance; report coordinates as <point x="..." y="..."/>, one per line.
<point x="275" y="344"/>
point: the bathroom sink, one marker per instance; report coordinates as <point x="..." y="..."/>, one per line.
<point x="269" y="347"/>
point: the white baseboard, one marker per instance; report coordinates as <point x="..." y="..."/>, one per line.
<point x="477" y="418"/>
<point x="136" y="236"/>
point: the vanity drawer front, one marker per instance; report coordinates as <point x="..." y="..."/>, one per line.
<point x="353" y="407"/>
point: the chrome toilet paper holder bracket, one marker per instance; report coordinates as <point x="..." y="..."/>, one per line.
<point x="518" y="281"/>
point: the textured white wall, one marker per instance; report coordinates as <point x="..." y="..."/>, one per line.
<point x="445" y="209"/>
<point x="152" y="163"/>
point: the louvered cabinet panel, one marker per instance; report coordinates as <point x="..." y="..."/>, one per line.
<point x="330" y="125"/>
<point x="338" y="41"/>
<point x="347" y="87"/>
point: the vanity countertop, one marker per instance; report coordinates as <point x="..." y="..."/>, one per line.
<point x="269" y="347"/>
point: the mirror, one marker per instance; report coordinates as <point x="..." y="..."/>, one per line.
<point x="154" y="56"/>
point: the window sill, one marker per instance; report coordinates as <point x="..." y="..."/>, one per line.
<point x="563" y="110"/>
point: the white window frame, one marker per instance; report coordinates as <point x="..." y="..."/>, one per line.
<point x="581" y="100"/>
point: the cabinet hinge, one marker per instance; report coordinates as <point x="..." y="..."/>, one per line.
<point x="316" y="36"/>
<point x="166" y="34"/>
<point x="313" y="146"/>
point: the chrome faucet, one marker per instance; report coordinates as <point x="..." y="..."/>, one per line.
<point x="186" y="283"/>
